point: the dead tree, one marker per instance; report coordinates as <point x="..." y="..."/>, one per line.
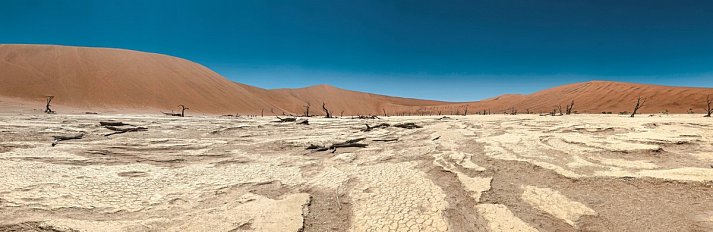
<point x="569" y="108"/>
<point x="307" y="109"/>
<point x="47" y="107"/>
<point x="640" y="102"/>
<point x="262" y="112"/>
<point x="183" y="110"/>
<point x="385" y="115"/>
<point x="559" y="109"/>
<point x="708" y="106"/>
<point x="324" y="107"/>
<point x="465" y="113"/>
<point x="341" y="114"/>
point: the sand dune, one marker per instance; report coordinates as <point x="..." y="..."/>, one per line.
<point x="600" y="96"/>
<point x="102" y="79"/>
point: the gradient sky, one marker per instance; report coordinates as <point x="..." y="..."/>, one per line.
<point x="447" y="50"/>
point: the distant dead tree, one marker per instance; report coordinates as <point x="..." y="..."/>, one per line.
<point x="569" y="108"/>
<point x="385" y="115"/>
<point x="640" y="102"/>
<point x="307" y="109"/>
<point x="690" y="111"/>
<point x="559" y="109"/>
<point x="465" y="113"/>
<point x="341" y="114"/>
<point x="326" y="111"/>
<point x="527" y="110"/>
<point x="709" y="100"/>
<point x="183" y="110"/>
<point x="262" y="112"/>
<point x="47" y="106"/>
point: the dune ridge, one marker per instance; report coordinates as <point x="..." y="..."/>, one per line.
<point x="106" y="79"/>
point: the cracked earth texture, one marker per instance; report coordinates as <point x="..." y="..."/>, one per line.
<point x="463" y="173"/>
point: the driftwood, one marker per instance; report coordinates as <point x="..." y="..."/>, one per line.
<point x="58" y="138"/>
<point x="444" y="118"/>
<point x="369" y="128"/>
<point x="285" y="119"/>
<point x="386" y="140"/>
<point x="124" y="130"/>
<point x="333" y="147"/>
<point x="303" y="122"/>
<point x="436" y="138"/>
<point x="111" y="123"/>
<point x="408" y="125"/>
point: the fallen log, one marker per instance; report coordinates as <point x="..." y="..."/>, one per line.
<point x="58" y="138"/>
<point x="348" y="143"/>
<point x="112" y="123"/>
<point x="303" y="122"/>
<point x="285" y="119"/>
<point x="386" y="140"/>
<point x="123" y="130"/>
<point x="369" y="128"/>
<point x="408" y="125"/>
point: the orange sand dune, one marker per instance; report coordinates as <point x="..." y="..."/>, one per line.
<point x="601" y="96"/>
<point x="112" y="80"/>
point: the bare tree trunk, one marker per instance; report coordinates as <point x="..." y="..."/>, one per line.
<point x="570" y="106"/>
<point x="385" y="115"/>
<point x="307" y="109"/>
<point x="47" y="107"/>
<point x="709" y="100"/>
<point x="324" y="107"/>
<point x="639" y="103"/>
<point x="465" y="113"/>
<point x="262" y="112"/>
<point x="183" y="110"/>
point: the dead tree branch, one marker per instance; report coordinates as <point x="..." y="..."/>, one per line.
<point x="123" y="130"/>
<point x="285" y="119"/>
<point x="408" y="125"/>
<point x="112" y="123"/>
<point x="58" y="138"/>
<point x="369" y="128"/>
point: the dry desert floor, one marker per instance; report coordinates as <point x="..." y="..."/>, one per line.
<point x="463" y="173"/>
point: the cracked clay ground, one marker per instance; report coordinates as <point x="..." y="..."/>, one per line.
<point x="474" y="173"/>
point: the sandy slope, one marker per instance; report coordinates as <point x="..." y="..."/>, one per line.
<point x="105" y="79"/>
<point x="599" y="96"/>
<point x="110" y="80"/>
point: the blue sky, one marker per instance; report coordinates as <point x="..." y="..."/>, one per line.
<point x="447" y="50"/>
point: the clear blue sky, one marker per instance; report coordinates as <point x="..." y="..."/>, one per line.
<point x="448" y="50"/>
